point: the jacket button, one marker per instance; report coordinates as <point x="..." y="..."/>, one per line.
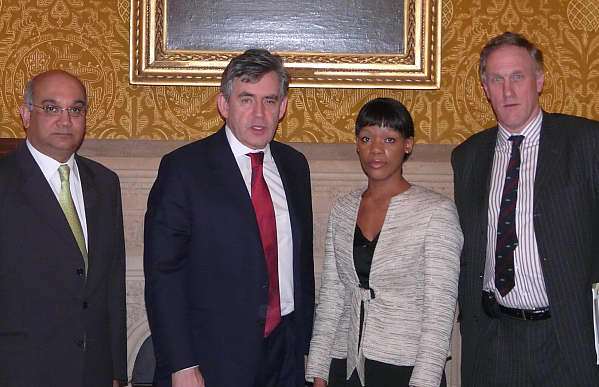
<point x="84" y="304"/>
<point x="80" y="272"/>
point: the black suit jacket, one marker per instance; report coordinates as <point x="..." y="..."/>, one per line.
<point x="206" y="281"/>
<point x="56" y="328"/>
<point x="566" y="222"/>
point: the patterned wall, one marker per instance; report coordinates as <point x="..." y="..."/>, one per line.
<point x="90" y="38"/>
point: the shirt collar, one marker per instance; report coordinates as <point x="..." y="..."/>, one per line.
<point x="240" y="149"/>
<point x="531" y="132"/>
<point x="48" y="165"/>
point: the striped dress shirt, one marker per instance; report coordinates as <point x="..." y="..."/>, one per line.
<point x="529" y="290"/>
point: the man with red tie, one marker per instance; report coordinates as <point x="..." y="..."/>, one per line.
<point x="228" y="244"/>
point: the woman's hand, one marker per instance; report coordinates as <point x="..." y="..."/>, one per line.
<point x="318" y="382"/>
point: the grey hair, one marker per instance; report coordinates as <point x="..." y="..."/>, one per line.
<point x="509" y="39"/>
<point x="28" y="93"/>
<point x="251" y="66"/>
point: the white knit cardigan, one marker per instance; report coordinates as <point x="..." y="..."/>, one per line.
<point x="414" y="276"/>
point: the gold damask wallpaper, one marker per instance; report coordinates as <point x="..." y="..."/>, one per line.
<point x="90" y="39"/>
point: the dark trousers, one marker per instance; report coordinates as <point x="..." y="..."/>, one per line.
<point x="377" y="374"/>
<point x="278" y="366"/>
<point x="519" y="353"/>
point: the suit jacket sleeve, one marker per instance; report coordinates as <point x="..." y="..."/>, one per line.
<point x="329" y="310"/>
<point x="308" y="264"/>
<point x="118" y="318"/>
<point x="442" y="246"/>
<point x="166" y="238"/>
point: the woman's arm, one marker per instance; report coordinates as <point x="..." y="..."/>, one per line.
<point x="442" y="247"/>
<point x="328" y="310"/>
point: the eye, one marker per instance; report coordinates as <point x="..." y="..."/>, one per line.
<point x="390" y="140"/>
<point x="517" y="77"/>
<point x="76" y="110"/>
<point x="365" y="139"/>
<point x="245" y="100"/>
<point x="51" y="109"/>
<point x="270" y="101"/>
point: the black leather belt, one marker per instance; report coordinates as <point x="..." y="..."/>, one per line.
<point x="494" y="310"/>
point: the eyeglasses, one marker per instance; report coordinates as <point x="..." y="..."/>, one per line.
<point x="53" y="110"/>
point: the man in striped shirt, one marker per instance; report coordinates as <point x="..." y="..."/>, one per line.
<point x="527" y="192"/>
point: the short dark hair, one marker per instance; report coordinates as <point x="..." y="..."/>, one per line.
<point x="386" y="113"/>
<point x="251" y="66"/>
<point x="509" y="39"/>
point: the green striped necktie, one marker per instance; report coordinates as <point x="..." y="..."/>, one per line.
<point x="66" y="202"/>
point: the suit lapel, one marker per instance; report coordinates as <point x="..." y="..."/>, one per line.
<point x="96" y="231"/>
<point x="481" y="184"/>
<point x="482" y="169"/>
<point x="549" y="158"/>
<point x="227" y="175"/>
<point x="39" y="196"/>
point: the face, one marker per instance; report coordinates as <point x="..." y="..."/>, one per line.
<point x="254" y="110"/>
<point x="57" y="136"/>
<point x="382" y="152"/>
<point x="512" y="86"/>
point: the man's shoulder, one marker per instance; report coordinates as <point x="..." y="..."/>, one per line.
<point x="8" y="159"/>
<point x="286" y="151"/>
<point x="98" y="169"/>
<point x="195" y="149"/>
<point x="16" y="162"/>
<point x="475" y="141"/>
<point x="573" y="124"/>
<point x="8" y="164"/>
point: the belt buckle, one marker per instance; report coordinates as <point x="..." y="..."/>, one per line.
<point x="523" y="313"/>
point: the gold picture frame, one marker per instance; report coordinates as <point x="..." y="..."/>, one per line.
<point x="418" y="66"/>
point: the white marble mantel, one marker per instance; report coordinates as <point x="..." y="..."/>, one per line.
<point x="334" y="169"/>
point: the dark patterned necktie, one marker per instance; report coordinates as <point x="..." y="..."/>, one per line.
<point x="507" y="240"/>
<point x="265" y="216"/>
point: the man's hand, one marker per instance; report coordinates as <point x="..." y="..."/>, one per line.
<point x="190" y="377"/>
<point x="318" y="382"/>
<point x="116" y="383"/>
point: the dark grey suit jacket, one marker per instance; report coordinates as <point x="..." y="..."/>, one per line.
<point x="56" y="328"/>
<point x="566" y="222"/>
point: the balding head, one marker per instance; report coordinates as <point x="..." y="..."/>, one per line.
<point x="54" y="113"/>
<point x="29" y="93"/>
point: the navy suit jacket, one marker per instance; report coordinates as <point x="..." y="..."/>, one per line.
<point x="206" y="281"/>
<point x="566" y="223"/>
<point x="58" y="329"/>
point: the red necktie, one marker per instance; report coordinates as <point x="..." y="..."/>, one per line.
<point x="265" y="216"/>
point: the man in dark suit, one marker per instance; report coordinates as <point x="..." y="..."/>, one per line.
<point x="62" y="258"/>
<point x="527" y="192"/>
<point x="228" y="244"/>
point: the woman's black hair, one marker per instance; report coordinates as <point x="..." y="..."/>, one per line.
<point x="386" y="113"/>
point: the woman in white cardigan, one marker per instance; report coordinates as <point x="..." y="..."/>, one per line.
<point x="390" y="278"/>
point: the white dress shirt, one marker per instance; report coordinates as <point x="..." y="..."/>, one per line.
<point x="279" y="200"/>
<point x="49" y="168"/>
<point x="529" y="290"/>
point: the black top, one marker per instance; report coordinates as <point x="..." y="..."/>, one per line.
<point x="363" y="252"/>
